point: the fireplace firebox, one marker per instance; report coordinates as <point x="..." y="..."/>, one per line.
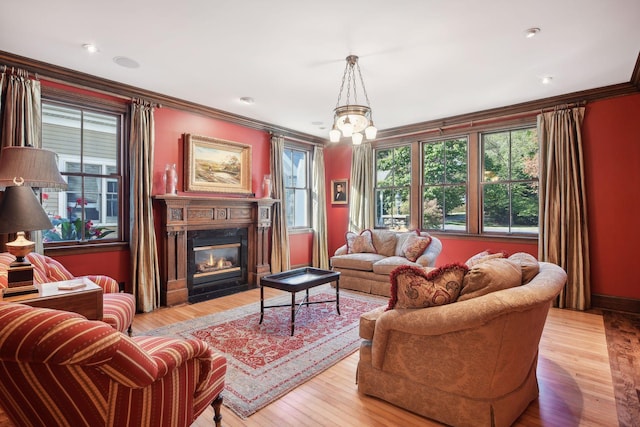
<point x="216" y="263"/>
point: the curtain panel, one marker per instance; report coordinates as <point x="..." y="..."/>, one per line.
<point x="564" y="235"/>
<point x="361" y="214"/>
<point x="20" y="109"/>
<point x="280" y="259"/>
<point x="145" y="272"/>
<point x="20" y="121"/>
<point x="319" y="211"/>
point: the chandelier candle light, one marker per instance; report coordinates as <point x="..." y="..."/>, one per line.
<point x="351" y="119"/>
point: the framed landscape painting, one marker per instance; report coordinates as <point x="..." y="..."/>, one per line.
<point x="216" y="165"/>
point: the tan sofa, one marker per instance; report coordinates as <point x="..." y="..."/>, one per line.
<point x="468" y="363"/>
<point x="369" y="272"/>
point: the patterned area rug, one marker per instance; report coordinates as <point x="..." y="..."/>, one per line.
<point x="264" y="361"/>
<point x="623" y="342"/>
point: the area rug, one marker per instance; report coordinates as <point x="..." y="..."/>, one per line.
<point x="622" y="331"/>
<point x="264" y="361"/>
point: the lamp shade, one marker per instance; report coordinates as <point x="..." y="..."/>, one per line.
<point x="31" y="167"/>
<point x="20" y="210"/>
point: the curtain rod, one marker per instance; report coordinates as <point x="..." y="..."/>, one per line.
<point x="471" y="123"/>
<point x="19" y="72"/>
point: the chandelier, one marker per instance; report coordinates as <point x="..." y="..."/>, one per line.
<point x="350" y="120"/>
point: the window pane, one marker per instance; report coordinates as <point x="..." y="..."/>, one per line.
<point x="302" y="206"/>
<point x="384" y="168"/>
<point x="525" y="207"/>
<point x="524" y="153"/>
<point x="299" y="165"/>
<point x="455" y="218"/>
<point x="496" y="157"/>
<point x="433" y="160"/>
<point x="456" y="162"/>
<point x="496" y="207"/>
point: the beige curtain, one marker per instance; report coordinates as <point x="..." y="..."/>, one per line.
<point x="564" y="234"/>
<point x="20" y="109"/>
<point x="361" y="215"/>
<point x="20" y="121"/>
<point x="280" y="260"/>
<point x="319" y="211"/>
<point x="145" y="273"/>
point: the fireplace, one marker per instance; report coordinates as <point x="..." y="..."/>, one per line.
<point x="215" y="226"/>
<point x="216" y="262"/>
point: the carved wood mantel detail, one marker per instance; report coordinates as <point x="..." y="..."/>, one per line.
<point x="180" y="214"/>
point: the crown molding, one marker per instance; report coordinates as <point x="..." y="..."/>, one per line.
<point x="110" y="87"/>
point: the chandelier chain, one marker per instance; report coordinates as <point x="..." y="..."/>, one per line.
<point x="344" y="76"/>
<point x="364" y="89"/>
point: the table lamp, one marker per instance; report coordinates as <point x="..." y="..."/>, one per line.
<point x="20" y="210"/>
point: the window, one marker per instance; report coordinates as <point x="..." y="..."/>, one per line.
<point x="87" y="143"/>
<point x="444" y="194"/>
<point x="510" y="181"/>
<point x="480" y="182"/>
<point x="297" y="187"/>
<point x="393" y="187"/>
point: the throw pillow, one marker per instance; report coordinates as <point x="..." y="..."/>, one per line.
<point x="402" y="237"/>
<point x="413" y="287"/>
<point x="528" y="264"/>
<point x="490" y="276"/>
<point x="360" y="243"/>
<point x="414" y="246"/>
<point x="484" y="256"/>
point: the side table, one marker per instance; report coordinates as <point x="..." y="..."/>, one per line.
<point x="85" y="299"/>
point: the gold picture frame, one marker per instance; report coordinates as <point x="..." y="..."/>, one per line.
<point x="215" y="165"/>
<point x="339" y="191"/>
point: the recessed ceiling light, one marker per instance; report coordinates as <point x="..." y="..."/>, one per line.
<point x="123" y="61"/>
<point x="247" y="100"/>
<point x="91" y="48"/>
<point x="531" y="32"/>
<point x="546" y="80"/>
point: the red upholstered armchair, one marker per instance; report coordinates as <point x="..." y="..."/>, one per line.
<point x="118" y="308"/>
<point x="58" y="368"/>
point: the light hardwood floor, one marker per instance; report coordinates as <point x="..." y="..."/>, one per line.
<point x="573" y="374"/>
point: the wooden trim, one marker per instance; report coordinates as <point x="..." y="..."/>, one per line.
<point x="607" y="302"/>
<point x="524" y="109"/>
<point x="635" y="76"/>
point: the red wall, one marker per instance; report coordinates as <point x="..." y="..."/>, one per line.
<point x="170" y="125"/>
<point x="337" y="164"/>
<point x="611" y="135"/>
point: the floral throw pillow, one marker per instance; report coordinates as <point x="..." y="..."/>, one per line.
<point x="360" y="243"/>
<point x="414" y="246"/>
<point x="413" y="287"/>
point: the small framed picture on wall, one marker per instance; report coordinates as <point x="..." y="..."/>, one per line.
<point x="339" y="191"/>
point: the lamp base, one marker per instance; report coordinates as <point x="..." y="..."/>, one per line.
<point x="19" y="279"/>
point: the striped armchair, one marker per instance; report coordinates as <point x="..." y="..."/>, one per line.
<point x="118" y="308"/>
<point x="58" y="368"/>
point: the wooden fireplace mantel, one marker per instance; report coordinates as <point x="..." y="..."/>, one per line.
<point x="180" y="214"/>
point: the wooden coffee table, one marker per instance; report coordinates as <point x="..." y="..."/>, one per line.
<point x="301" y="279"/>
<point x="85" y="299"/>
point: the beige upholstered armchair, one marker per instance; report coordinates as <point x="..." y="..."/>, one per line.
<point x="467" y="363"/>
<point x="59" y="369"/>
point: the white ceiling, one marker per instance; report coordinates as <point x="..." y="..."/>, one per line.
<point x="420" y="59"/>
